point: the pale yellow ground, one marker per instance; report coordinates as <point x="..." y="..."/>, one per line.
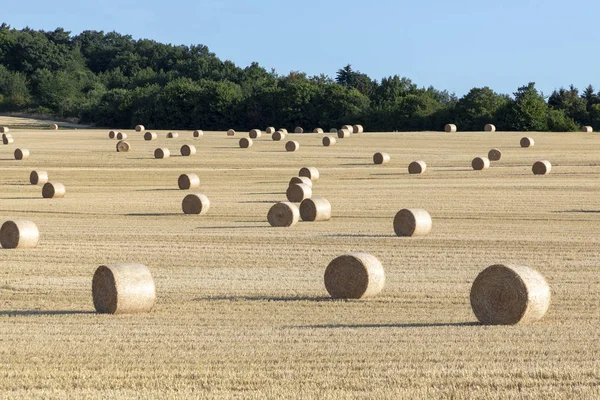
<point x="242" y="311"/>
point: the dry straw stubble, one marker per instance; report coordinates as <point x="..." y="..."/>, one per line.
<point x="310" y="172"/>
<point x="381" y="158"/>
<point x="38" y="177"/>
<point x="541" y="167"/>
<point x="123" y="146"/>
<point x="494" y="155"/>
<point x="162" y="153"/>
<point x="412" y="222"/>
<point x="188" y="150"/>
<point x="195" y="204"/>
<point x="329" y="141"/>
<point x="283" y="214"/>
<point x="123" y="289"/>
<point x="315" y="209"/>
<point x="480" y="163"/>
<point x="21" y="154"/>
<point x="292" y="145"/>
<point x="417" y="167"/>
<point x="354" y="276"/>
<point x="19" y="234"/>
<point x="188" y="181"/>
<point x="53" y="190"/>
<point x="297" y="192"/>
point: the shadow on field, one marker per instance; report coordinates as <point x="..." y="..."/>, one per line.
<point x="577" y="211"/>
<point x="152" y="214"/>
<point x="55" y="212"/>
<point x="396" y="174"/>
<point x="233" y="227"/>
<point x="264" y="298"/>
<point x="20" y="198"/>
<point x="358" y="235"/>
<point x="156" y="190"/>
<point x="357" y="164"/>
<point x="260" y="201"/>
<point x="21" y="313"/>
<point x="261" y="193"/>
<point x="412" y="325"/>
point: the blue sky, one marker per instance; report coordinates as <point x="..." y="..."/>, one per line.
<point x="453" y="45"/>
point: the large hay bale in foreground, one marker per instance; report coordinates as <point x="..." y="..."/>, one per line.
<point x="315" y="209"/>
<point x="172" y="135"/>
<point x="188" y="150"/>
<point x="198" y="133"/>
<point x="292" y="145"/>
<point x="53" y="190"/>
<point x="527" y="142"/>
<point x="54" y="127"/>
<point x="162" y="153"/>
<point x="270" y="130"/>
<point x="188" y="181"/>
<point x="300" y="179"/>
<point x="509" y="294"/>
<point x="19" y="234"/>
<point x="343" y="133"/>
<point x="21" y="154"/>
<point x="150" y="136"/>
<point x="123" y="289"/>
<point x="38" y="177"/>
<point x="329" y="141"/>
<point x="123" y="147"/>
<point x="412" y="222"/>
<point x="121" y="136"/>
<point x="541" y="167"/>
<point x="4" y="129"/>
<point x="231" y="132"/>
<point x="283" y="214"/>
<point x="195" y="204"/>
<point x="587" y="129"/>
<point x="357" y="129"/>
<point x="381" y="158"/>
<point x="255" y="133"/>
<point x="494" y="155"/>
<point x="297" y="192"/>
<point x="480" y="163"/>
<point x="450" y="128"/>
<point x="354" y="276"/>
<point x="245" y="143"/>
<point x="417" y="167"/>
<point x="318" y="130"/>
<point x="310" y="172"/>
<point x="140" y="128"/>
<point x="489" y="128"/>
<point x="278" y="135"/>
<point x="299" y="129"/>
<point x="7" y="138"/>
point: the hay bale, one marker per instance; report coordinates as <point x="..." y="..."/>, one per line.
<point x="297" y="192"/>
<point x="509" y="295"/>
<point x="140" y="128"/>
<point x="255" y="134"/>
<point x="231" y="132"/>
<point x="198" y="133"/>
<point x="480" y="163"/>
<point x="123" y="147"/>
<point x="489" y="128"/>
<point x="7" y="139"/>
<point x="412" y="222"/>
<point x="417" y="167"/>
<point x="292" y="145"/>
<point x="318" y="130"/>
<point x="150" y="136"/>
<point x="333" y="130"/>
<point x="494" y="155"/>
<point x="172" y="135"/>
<point x="329" y="141"/>
<point x="245" y="143"/>
<point x="587" y="129"/>
<point x="357" y="129"/>
<point x="121" y="136"/>
<point x="541" y="167"/>
<point x="278" y="135"/>
<point x="343" y="133"/>
<point x="315" y="209"/>
<point x="188" y="181"/>
<point x="527" y="142"/>
<point x="299" y="129"/>
<point x="112" y="134"/>
<point x="188" y="150"/>
<point x="21" y="154"/>
<point x="300" y="179"/>
<point x="38" y="177"/>
<point x="283" y="214"/>
<point x="162" y="153"/>
<point x="195" y="204"/>
<point x="283" y="130"/>
<point x="19" y="234"/>
<point x="354" y="276"/>
<point x="349" y="128"/>
<point x="450" y="128"/>
<point x="54" y="127"/>
<point x="310" y="172"/>
<point x="381" y="158"/>
<point x="270" y="130"/>
<point x="123" y="289"/>
<point x="53" y="190"/>
<point x="4" y="129"/>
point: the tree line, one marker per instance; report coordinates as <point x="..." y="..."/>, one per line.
<point x="112" y="80"/>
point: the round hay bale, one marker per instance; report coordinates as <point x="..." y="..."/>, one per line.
<point x="198" y="133"/>
<point x="54" y="127"/>
<point x="412" y="222"/>
<point x="381" y="158"/>
<point x="494" y="155"/>
<point x="283" y="214"/>
<point x="140" y="128"/>
<point x="123" y="147"/>
<point x="297" y="192"/>
<point x="270" y="130"/>
<point x="357" y="129"/>
<point x="587" y="129"/>
<point x="188" y="150"/>
<point x="354" y="276"/>
<point x="53" y="190"/>
<point x="310" y="172"/>
<point x="112" y="134"/>
<point x="417" y="167"/>
<point x="509" y="295"/>
<point x="162" y="153"/>
<point x="300" y="179"/>
<point x="349" y="128"/>
<point x="283" y="130"/>
<point x="172" y="135"/>
<point x="121" y="136"/>
<point x="21" y="154"/>
<point x="527" y="142"/>
<point x="333" y="130"/>
<point x="123" y="289"/>
<point x="299" y="129"/>
<point x="255" y="133"/>
<point x="450" y="128"/>
<point x="480" y="163"/>
<point x="343" y="133"/>
<point x="292" y="145"/>
<point x="318" y="130"/>
<point x="245" y="143"/>
<point x="188" y="181"/>
<point x="315" y="209"/>
<point x="195" y="204"/>
<point x="489" y="128"/>
<point x="231" y="132"/>
<point x="329" y="141"/>
<point x="38" y="177"/>
<point x="150" y="136"/>
<point x="19" y="234"/>
<point x="7" y="139"/>
<point x="4" y="129"/>
<point x="541" y="167"/>
<point x="278" y="135"/>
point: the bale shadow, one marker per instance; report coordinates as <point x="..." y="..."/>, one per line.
<point x="396" y="174"/>
<point x="358" y="235"/>
<point x="356" y="164"/>
<point x="577" y="211"/>
<point x="267" y="298"/>
<point x="156" y="190"/>
<point x="261" y="193"/>
<point x="54" y="212"/>
<point x="411" y="325"/>
<point x="20" y="313"/>
<point x="259" y="201"/>
<point x="20" y="198"/>
<point x="232" y="227"/>
<point x="152" y="214"/>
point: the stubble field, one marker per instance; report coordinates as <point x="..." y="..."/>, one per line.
<point x="242" y="311"/>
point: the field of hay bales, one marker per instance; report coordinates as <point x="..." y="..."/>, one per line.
<point x="241" y="308"/>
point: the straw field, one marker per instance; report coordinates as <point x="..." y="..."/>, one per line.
<point x="241" y="307"/>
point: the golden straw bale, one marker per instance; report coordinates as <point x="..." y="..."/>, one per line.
<point x="527" y="142"/>
<point x="172" y="135"/>
<point x="188" y="181"/>
<point x="354" y="276"/>
<point x="162" y="153"/>
<point x="450" y="128"/>
<point x="123" y="289"/>
<point x="318" y="130"/>
<point x="53" y="190"/>
<point x="587" y="129"/>
<point x="300" y="179"/>
<point x="255" y="133"/>
<point x="198" y="133"/>
<point x="150" y="136"/>
<point x="417" y="167"/>
<point x="283" y="214"/>
<point x="270" y="130"/>
<point x="299" y="129"/>
<point x="140" y="128"/>
<point x="54" y="127"/>
<point x="297" y="192"/>
<point x="19" y="234"/>
<point x="489" y="128"/>
<point x="329" y="141"/>
<point x="541" y="167"/>
<point x="278" y="135"/>
<point x="343" y="133"/>
<point x="480" y="163"/>
<point x="38" y="177"/>
<point x="292" y="145"/>
<point x="357" y="129"/>
<point x="283" y="130"/>
<point x="195" y="204"/>
<point x="349" y="128"/>
<point x="245" y="143"/>
<point x="231" y="132"/>
<point x="315" y="209"/>
<point x="121" y="136"/>
<point x="4" y="129"/>
<point x="112" y="134"/>
<point x="412" y="222"/>
<point x="310" y="172"/>
<point x="188" y="150"/>
<point x="333" y="130"/>
<point x="7" y="138"/>
<point x="381" y="158"/>
<point x="494" y="155"/>
<point x="123" y="146"/>
<point x="21" y="154"/>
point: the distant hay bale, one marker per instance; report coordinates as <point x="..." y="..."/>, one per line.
<point x="7" y="138"/>
<point x="150" y="136"/>
<point x="123" y="289"/>
<point x="283" y="214"/>
<point x="4" y="129"/>
<point x="318" y="130"/>
<point x="278" y="135"/>
<point x="310" y="172"/>
<point x="140" y="128"/>
<point x="188" y="181"/>
<point x="489" y="128"/>
<point x="172" y="135"/>
<point x="381" y="158"/>
<point x="509" y="295"/>
<point x="297" y="192"/>
<point x="245" y="143"/>
<point x="188" y="150"/>
<point x="357" y="129"/>
<point x="412" y="222"/>
<point x="349" y="128"/>
<point x="292" y="145"/>
<point x="541" y="167"/>
<point x="21" y="154"/>
<point x="315" y="209"/>
<point x="54" y="127"/>
<point x="354" y="276"/>
<point x="283" y="130"/>
<point x="231" y="132"/>
<point x="195" y="204"/>
<point x="480" y="163"/>
<point x="198" y="133"/>
<point x="450" y="128"/>
<point x="121" y="136"/>
<point x="162" y="153"/>
<point x="53" y="190"/>
<point x="255" y="133"/>
<point x="417" y="167"/>
<point x="112" y="134"/>
<point x="343" y="133"/>
<point x="300" y="179"/>
<point x="19" y="234"/>
<point x="270" y="130"/>
<point x="333" y="130"/>
<point x="123" y="147"/>
<point x="329" y="141"/>
<point x="299" y="129"/>
<point x="494" y="155"/>
<point x="587" y="129"/>
<point x="527" y="142"/>
<point x="38" y="177"/>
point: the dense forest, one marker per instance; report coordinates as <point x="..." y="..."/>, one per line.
<point x="112" y="80"/>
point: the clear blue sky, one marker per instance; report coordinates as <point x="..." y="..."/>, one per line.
<point x="453" y="45"/>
